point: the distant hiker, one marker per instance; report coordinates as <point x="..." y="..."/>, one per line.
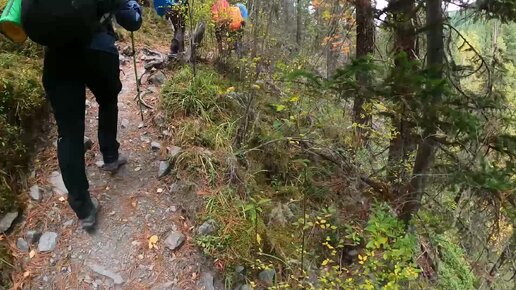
<point x="175" y="11"/>
<point x="229" y="24"/>
<point x="81" y="53"/>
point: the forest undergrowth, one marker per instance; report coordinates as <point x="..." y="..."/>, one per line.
<point x="344" y="150"/>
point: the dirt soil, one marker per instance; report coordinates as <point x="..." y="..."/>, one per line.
<point x="136" y="205"/>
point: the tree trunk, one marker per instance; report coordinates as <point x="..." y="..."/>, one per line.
<point x="365" y="46"/>
<point x="402" y="144"/>
<point x="331" y="54"/>
<point x="299" y="23"/>
<point x="255" y="20"/>
<point x="426" y="149"/>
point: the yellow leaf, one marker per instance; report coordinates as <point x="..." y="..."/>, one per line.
<point x="258" y="239"/>
<point x="152" y="242"/>
<point x="294" y="99"/>
<point x="280" y="108"/>
<point x="230" y="89"/>
<point x="256" y="87"/>
<point x="325" y="262"/>
<point x="32" y="254"/>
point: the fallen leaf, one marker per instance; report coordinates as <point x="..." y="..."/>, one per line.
<point x="152" y="242"/>
<point x="62" y="199"/>
<point x="160" y="190"/>
<point x="26" y="274"/>
<point x="32" y="254"/>
<point x="137" y="169"/>
<point x="134" y="202"/>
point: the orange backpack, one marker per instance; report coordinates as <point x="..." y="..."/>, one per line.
<point x="236" y="18"/>
<point x="219" y="10"/>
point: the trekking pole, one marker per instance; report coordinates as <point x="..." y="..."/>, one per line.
<point x="139" y="96"/>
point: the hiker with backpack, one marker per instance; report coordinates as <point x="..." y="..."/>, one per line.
<point x="175" y="11"/>
<point x="229" y="22"/>
<point x="80" y="52"/>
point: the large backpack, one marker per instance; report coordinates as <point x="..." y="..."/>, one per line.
<point x="57" y="23"/>
<point x="236" y="18"/>
<point x="162" y="7"/>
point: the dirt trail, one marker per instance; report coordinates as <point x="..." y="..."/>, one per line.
<point x="135" y="206"/>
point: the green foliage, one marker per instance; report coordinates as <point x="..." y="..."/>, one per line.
<point x="188" y="96"/>
<point x="286" y="197"/>
<point x="454" y="270"/>
<point x="504" y="10"/>
<point x="21" y="97"/>
<point x="22" y="106"/>
<point x="386" y="262"/>
<point x="6" y="265"/>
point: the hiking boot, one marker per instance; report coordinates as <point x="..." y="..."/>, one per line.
<point x="88" y="223"/>
<point x="115" y="165"/>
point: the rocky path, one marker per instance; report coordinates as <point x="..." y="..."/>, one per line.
<point x="144" y="237"/>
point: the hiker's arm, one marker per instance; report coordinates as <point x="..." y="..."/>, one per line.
<point x="129" y="16"/>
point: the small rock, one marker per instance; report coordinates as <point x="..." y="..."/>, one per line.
<point x="7" y="221"/>
<point x="353" y="253"/>
<point x="175" y="240"/>
<point x="32" y="236"/>
<point x="155" y="146"/>
<point x="207" y="228"/>
<point x="57" y="183"/>
<point x="117" y="279"/>
<point x="99" y="163"/>
<point x="47" y="242"/>
<point x="174" y="151"/>
<point x="88" y="144"/>
<point x="267" y="277"/>
<point x="207" y="281"/>
<point x="128" y="51"/>
<point x="35" y="193"/>
<point x="141" y="125"/>
<point x="245" y="287"/>
<point x="166" y="133"/>
<point x="45" y="278"/>
<point x="124" y="123"/>
<point x="145" y="139"/>
<point x="22" y="245"/>
<point x="158" y="78"/>
<point x="239" y="269"/>
<point x="153" y="89"/>
<point x="122" y="59"/>
<point x="182" y="187"/>
<point x="68" y="223"/>
<point x="164" y="168"/>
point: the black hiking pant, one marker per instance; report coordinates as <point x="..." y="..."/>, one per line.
<point x="176" y="15"/>
<point x="66" y="74"/>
